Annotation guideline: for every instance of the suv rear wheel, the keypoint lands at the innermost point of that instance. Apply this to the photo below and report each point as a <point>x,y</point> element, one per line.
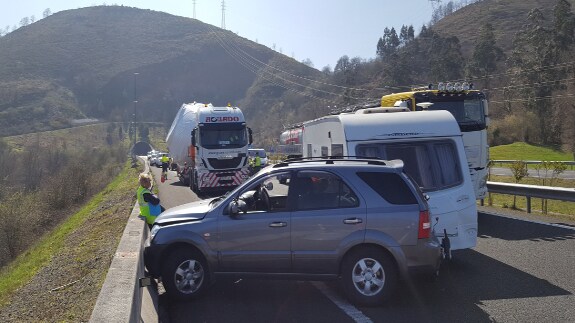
<point>369,276</point>
<point>185,274</point>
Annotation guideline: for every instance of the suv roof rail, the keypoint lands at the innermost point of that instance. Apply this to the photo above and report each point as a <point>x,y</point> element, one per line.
<point>332,159</point>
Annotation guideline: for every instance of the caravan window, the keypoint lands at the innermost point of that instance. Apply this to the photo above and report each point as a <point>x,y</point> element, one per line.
<point>434,165</point>
<point>336,150</point>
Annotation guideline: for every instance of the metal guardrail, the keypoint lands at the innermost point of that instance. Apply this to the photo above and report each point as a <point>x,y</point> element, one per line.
<point>529,191</point>
<point>533,162</point>
<point>511,161</point>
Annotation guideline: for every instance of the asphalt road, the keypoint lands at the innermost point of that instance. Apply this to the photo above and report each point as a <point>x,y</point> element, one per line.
<point>519,272</point>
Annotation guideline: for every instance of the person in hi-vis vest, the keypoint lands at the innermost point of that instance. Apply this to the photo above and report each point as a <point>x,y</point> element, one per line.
<point>165,162</point>
<point>149,203</point>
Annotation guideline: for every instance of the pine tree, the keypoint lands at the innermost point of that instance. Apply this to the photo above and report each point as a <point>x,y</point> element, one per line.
<point>564,24</point>
<point>534,50</point>
<point>485,55</point>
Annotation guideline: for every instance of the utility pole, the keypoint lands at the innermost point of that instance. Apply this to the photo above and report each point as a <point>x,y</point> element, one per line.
<point>223,14</point>
<point>194,3</point>
<point>135,108</point>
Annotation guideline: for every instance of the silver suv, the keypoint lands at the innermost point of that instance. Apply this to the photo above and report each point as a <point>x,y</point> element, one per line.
<point>358,220</point>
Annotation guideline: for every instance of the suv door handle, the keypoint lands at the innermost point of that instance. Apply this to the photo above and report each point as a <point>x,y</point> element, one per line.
<point>353,221</point>
<point>278,224</point>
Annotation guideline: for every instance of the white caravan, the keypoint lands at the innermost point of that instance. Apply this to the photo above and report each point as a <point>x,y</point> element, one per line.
<point>431,147</point>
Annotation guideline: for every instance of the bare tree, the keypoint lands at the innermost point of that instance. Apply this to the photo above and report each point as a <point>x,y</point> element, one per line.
<point>519,170</point>
<point>24,21</point>
<point>46,13</point>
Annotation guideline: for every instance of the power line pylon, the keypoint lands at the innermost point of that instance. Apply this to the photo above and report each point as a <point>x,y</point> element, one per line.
<point>223,14</point>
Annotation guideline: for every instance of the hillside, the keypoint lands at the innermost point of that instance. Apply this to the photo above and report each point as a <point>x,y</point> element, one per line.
<point>82,63</point>
<point>95,62</point>
<point>507,17</point>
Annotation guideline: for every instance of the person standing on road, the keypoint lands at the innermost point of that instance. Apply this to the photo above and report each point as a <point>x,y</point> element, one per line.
<point>257,163</point>
<point>165,162</point>
<point>149,203</point>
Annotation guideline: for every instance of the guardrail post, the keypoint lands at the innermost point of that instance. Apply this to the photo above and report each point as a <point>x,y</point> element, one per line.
<point>528,203</point>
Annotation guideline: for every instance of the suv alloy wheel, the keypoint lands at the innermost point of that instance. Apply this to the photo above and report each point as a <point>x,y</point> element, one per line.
<point>369,276</point>
<point>185,274</point>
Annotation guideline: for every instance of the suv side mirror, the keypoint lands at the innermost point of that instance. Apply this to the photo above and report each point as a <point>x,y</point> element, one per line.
<point>236,206</point>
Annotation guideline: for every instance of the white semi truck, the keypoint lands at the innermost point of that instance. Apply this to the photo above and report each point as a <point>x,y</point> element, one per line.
<point>429,143</point>
<point>210,146</point>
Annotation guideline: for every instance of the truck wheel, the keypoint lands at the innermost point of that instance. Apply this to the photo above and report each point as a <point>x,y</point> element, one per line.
<point>194,182</point>
<point>369,276</point>
<point>185,274</point>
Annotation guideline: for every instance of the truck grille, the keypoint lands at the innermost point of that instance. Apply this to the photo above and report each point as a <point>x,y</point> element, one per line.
<point>225,163</point>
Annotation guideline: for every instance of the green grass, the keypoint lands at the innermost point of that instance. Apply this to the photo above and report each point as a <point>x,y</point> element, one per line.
<point>525,151</point>
<point>24,267</point>
<point>560,209</point>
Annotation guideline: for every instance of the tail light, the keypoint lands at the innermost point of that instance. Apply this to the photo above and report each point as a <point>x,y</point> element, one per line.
<point>424,227</point>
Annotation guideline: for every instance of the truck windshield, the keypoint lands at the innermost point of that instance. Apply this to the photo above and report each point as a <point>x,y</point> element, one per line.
<point>221,137</point>
<point>469,111</point>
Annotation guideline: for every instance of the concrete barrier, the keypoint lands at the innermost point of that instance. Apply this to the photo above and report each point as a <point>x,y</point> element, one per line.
<point>120,299</point>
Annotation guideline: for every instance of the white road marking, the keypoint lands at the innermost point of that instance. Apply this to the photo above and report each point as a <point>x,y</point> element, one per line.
<point>346,307</point>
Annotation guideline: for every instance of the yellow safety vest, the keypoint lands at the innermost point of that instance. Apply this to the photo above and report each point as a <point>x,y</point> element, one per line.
<point>258,161</point>
<point>144,206</point>
<point>165,159</point>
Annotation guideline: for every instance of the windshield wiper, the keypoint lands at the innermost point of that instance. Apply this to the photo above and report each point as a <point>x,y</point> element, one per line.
<point>217,199</point>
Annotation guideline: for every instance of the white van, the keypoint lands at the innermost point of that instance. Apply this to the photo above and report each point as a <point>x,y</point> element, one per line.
<point>253,152</point>
<point>431,148</point>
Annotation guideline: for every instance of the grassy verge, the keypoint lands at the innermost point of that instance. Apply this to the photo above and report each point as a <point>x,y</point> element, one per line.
<point>525,151</point>
<point>23,269</point>
<point>556,208</point>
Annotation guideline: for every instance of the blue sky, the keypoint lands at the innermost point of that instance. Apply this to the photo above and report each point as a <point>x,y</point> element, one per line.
<point>319,30</point>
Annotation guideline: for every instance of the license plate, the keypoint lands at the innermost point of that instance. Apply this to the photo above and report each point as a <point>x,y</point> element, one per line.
<point>225,178</point>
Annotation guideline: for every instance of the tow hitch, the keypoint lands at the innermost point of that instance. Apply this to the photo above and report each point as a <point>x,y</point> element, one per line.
<point>446,245</point>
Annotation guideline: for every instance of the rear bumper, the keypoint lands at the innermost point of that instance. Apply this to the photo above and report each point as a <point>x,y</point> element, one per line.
<point>425,257</point>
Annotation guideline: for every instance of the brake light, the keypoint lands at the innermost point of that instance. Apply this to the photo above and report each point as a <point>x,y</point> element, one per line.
<point>424,225</point>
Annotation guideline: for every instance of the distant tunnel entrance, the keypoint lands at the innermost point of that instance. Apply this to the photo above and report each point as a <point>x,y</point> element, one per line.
<point>141,148</point>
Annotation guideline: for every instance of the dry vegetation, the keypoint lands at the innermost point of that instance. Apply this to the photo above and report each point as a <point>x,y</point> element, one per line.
<point>60,277</point>
<point>46,176</point>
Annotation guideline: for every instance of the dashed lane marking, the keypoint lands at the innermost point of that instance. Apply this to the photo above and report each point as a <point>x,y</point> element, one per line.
<point>346,307</point>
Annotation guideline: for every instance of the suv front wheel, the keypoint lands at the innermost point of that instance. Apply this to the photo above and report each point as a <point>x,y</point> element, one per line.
<point>368,276</point>
<point>185,274</point>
